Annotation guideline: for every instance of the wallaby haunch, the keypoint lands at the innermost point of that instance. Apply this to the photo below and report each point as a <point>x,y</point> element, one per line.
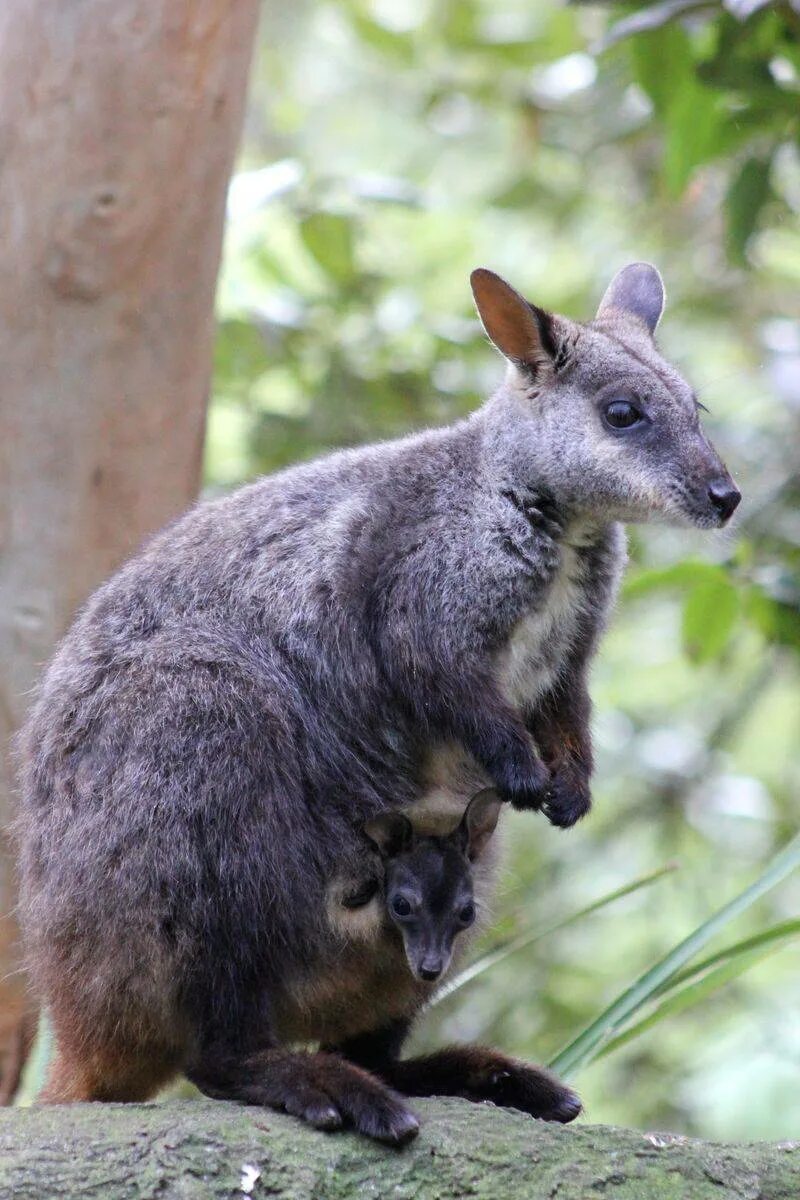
<point>393,627</point>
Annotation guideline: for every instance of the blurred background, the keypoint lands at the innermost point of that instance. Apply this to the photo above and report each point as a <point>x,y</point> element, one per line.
<point>392,145</point>
<point>389,147</point>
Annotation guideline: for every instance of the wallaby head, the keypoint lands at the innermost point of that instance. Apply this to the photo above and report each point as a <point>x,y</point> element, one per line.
<point>428,890</point>
<point>611,427</point>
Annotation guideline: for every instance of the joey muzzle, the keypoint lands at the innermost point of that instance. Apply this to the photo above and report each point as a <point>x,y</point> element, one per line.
<point>427,965</point>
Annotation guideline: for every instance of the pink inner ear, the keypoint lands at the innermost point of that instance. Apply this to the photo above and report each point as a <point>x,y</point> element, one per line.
<point>507,318</point>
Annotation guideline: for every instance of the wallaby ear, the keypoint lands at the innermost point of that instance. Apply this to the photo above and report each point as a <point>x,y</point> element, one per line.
<point>637,289</point>
<point>391,832</point>
<point>479,822</point>
<point>519,330</point>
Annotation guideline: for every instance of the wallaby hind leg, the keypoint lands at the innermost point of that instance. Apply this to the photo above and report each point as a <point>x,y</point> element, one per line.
<point>472,1072</point>
<point>322,1089</point>
<point>113,1074</point>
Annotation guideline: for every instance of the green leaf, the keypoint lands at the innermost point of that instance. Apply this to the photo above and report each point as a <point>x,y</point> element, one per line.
<point>746,197</point>
<point>329,239</point>
<point>694,131</point>
<point>778,620</point>
<point>649,18</point>
<point>709,616</point>
<point>397,46</point>
<point>240,355</point>
<point>696,128</point>
<point>662,63</point>
<point>493,957</point>
<point>587,1045</point>
<point>684,574</point>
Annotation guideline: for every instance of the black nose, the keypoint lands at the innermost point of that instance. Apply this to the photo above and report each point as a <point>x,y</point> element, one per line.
<point>430,971</point>
<point>724,496</point>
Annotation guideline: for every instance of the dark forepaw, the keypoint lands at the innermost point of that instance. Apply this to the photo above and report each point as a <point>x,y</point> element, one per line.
<point>322,1089</point>
<point>366,1104</point>
<point>567,799</point>
<point>533,1090</point>
<point>525,785</point>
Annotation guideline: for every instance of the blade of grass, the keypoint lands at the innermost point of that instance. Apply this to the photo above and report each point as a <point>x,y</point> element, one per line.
<point>586,1045</point>
<point>35,1069</point>
<point>687,997</point>
<point>776,933</point>
<point>503,951</point>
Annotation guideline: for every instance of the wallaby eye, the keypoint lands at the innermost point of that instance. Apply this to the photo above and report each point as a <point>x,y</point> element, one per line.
<point>621,414</point>
<point>467,914</point>
<point>400,906</point>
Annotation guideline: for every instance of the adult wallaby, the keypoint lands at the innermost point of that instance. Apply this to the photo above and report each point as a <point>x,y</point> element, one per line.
<point>393,627</point>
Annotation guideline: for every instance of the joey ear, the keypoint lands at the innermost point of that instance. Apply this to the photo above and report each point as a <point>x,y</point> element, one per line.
<point>637,289</point>
<point>391,832</point>
<point>479,822</point>
<point>519,330</point>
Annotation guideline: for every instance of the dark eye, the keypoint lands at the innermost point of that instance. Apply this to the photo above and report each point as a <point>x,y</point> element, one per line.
<point>401,906</point>
<point>467,914</point>
<point>621,414</point>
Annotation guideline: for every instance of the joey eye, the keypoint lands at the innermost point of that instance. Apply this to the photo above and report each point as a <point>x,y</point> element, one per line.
<point>621,414</point>
<point>467,914</point>
<point>401,906</point>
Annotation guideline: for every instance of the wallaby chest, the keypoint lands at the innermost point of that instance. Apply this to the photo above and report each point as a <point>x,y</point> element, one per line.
<point>529,663</point>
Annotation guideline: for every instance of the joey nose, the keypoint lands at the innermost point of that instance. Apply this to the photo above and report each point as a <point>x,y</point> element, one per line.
<point>430,969</point>
<point>724,495</point>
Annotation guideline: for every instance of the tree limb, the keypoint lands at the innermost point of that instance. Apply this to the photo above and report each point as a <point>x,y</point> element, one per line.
<point>193,1149</point>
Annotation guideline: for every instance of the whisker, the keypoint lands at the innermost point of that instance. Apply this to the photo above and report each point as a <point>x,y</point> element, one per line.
<point>12,975</point>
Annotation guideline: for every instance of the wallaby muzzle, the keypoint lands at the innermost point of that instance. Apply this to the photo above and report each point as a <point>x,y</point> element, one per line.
<point>714,497</point>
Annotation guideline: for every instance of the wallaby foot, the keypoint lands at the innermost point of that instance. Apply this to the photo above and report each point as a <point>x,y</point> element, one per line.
<point>322,1089</point>
<point>476,1073</point>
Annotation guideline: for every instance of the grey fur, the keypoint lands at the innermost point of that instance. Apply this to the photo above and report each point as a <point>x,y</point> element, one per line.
<point>395,626</point>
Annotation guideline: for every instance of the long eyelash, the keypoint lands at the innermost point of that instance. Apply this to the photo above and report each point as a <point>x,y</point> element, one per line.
<point>699,404</point>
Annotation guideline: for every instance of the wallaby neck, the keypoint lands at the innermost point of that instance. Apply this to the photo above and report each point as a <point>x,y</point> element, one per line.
<point>526,464</point>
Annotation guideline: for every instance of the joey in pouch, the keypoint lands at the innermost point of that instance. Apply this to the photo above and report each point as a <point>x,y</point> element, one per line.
<point>428,891</point>
<point>428,895</point>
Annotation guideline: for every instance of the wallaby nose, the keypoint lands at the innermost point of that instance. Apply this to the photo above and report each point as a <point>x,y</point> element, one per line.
<point>724,495</point>
<point>430,969</point>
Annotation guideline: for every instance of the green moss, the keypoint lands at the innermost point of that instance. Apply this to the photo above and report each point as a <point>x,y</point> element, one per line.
<point>188,1150</point>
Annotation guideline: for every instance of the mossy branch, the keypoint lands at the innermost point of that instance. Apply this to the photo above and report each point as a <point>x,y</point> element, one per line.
<point>199,1149</point>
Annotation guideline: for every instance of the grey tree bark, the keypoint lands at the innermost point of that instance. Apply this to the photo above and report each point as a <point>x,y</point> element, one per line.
<point>198,1149</point>
<point>119,120</point>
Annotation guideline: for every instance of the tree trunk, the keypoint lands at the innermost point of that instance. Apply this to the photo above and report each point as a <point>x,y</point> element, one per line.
<point>195,1149</point>
<point>119,120</point>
